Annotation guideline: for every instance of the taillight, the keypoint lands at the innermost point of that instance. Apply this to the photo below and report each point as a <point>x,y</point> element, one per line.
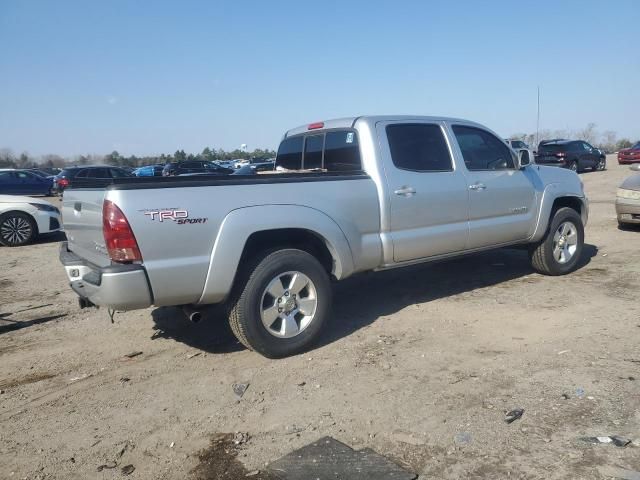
<point>63,182</point>
<point>118,237</point>
<point>315,126</point>
<point>560,154</point>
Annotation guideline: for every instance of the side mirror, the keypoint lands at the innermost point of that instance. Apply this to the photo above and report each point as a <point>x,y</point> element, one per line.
<point>635,167</point>
<point>524,158</point>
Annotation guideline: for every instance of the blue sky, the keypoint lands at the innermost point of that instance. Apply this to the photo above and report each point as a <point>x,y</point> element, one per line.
<point>81,77</point>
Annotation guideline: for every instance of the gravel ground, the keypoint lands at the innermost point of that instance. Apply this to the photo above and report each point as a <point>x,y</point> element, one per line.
<point>420,364</point>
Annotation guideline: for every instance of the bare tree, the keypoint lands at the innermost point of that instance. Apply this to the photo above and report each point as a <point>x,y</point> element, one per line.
<point>588,134</point>
<point>7,159</point>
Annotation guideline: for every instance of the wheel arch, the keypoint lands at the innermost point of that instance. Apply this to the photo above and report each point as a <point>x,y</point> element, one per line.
<point>249,231</point>
<point>551,203</point>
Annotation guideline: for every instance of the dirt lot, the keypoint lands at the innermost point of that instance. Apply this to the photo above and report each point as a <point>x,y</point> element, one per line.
<point>420,364</point>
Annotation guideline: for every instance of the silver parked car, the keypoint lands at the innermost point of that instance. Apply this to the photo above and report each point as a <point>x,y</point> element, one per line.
<point>628,199</point>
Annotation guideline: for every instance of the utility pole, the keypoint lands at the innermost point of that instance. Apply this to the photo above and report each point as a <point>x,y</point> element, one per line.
<point>538,120</point>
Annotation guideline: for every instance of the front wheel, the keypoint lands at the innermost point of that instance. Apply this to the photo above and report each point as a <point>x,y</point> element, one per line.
<point>559,251</point>
<point>17,229</point>
<point>602,165</point>
<point>281,303</point>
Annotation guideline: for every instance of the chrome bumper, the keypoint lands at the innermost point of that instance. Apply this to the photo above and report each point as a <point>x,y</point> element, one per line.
<point>121,287</point>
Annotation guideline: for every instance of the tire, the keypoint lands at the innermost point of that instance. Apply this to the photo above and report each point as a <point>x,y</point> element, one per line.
<point>549,257</point>
<point>291,278</point>
<point>601,166</point>
<point>17,229</point>
<point>573,166</point>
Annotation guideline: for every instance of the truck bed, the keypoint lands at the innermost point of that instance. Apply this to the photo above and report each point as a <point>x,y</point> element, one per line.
<point>189,259</point>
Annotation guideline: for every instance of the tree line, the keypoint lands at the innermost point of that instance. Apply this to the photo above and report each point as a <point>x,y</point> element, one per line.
<point>607,141</point>
<point>10,160</point>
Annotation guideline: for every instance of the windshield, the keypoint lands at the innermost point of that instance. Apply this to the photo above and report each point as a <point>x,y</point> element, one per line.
<point>636,146</point>
<point>518,144</point>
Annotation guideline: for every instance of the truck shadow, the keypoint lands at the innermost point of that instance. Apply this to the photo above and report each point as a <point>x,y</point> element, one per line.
<point>212,334</point>
<point>361,300</point>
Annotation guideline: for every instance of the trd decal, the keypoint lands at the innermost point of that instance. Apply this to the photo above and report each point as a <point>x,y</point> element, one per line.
<point>181,217</point>
<point>163,215</point>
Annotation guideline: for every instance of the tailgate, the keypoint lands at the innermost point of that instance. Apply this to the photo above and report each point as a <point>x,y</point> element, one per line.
<point>82,217</point>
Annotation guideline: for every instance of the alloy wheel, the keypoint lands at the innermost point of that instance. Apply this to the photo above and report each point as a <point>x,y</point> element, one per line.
<point>289,304</point>
<point>565,242</point>
<point>15,230</point>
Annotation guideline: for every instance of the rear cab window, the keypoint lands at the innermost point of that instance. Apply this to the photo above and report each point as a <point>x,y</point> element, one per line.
<point>553,148</point>
<point>329,151</point>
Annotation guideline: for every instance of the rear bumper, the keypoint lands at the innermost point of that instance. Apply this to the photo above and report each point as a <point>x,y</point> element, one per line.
<point>628,211</point>
<point>551,164</point>
<point>121,287</point>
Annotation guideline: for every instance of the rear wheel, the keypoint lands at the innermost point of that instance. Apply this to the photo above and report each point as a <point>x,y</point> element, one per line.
<point>16,229</point>
<point>573,166</point>
<point>281,303</point>
<point>559,251</point>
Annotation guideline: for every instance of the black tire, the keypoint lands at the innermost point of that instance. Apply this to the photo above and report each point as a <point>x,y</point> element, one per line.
<point>248,297</point>
<point>601,166</point>
<point>573,166</point>
<point>17,229</point>
<point>542,254</point>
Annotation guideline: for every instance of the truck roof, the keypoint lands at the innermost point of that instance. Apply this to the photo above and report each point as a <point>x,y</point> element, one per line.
<point>350,122</point>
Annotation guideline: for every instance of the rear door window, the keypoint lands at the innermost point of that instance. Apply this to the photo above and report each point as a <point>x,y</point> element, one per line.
<point>6,177</point>
<point>97,173</point>
<point>191,165</point>
<point>313,151</point>
<point>290,153</point>
<point>117,173</point>
<point>25,176</point>
<point>419,147</point>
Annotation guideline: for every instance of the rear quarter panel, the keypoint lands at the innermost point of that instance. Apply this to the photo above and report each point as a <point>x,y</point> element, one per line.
<point>180,257</point>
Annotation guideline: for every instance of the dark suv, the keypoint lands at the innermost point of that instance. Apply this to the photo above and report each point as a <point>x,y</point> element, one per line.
<point>194,166</point>
<point>575,155</point>
<point>67,176</point>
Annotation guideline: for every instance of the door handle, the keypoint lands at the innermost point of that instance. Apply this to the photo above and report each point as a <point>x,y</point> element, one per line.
<point>405,191</point>
<point>478,186</point>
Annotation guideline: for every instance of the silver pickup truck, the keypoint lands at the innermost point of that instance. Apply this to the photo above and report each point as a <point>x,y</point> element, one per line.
<point>348,196</point>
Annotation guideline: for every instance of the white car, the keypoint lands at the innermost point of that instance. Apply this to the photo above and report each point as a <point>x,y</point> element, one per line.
<point>22,219</point>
